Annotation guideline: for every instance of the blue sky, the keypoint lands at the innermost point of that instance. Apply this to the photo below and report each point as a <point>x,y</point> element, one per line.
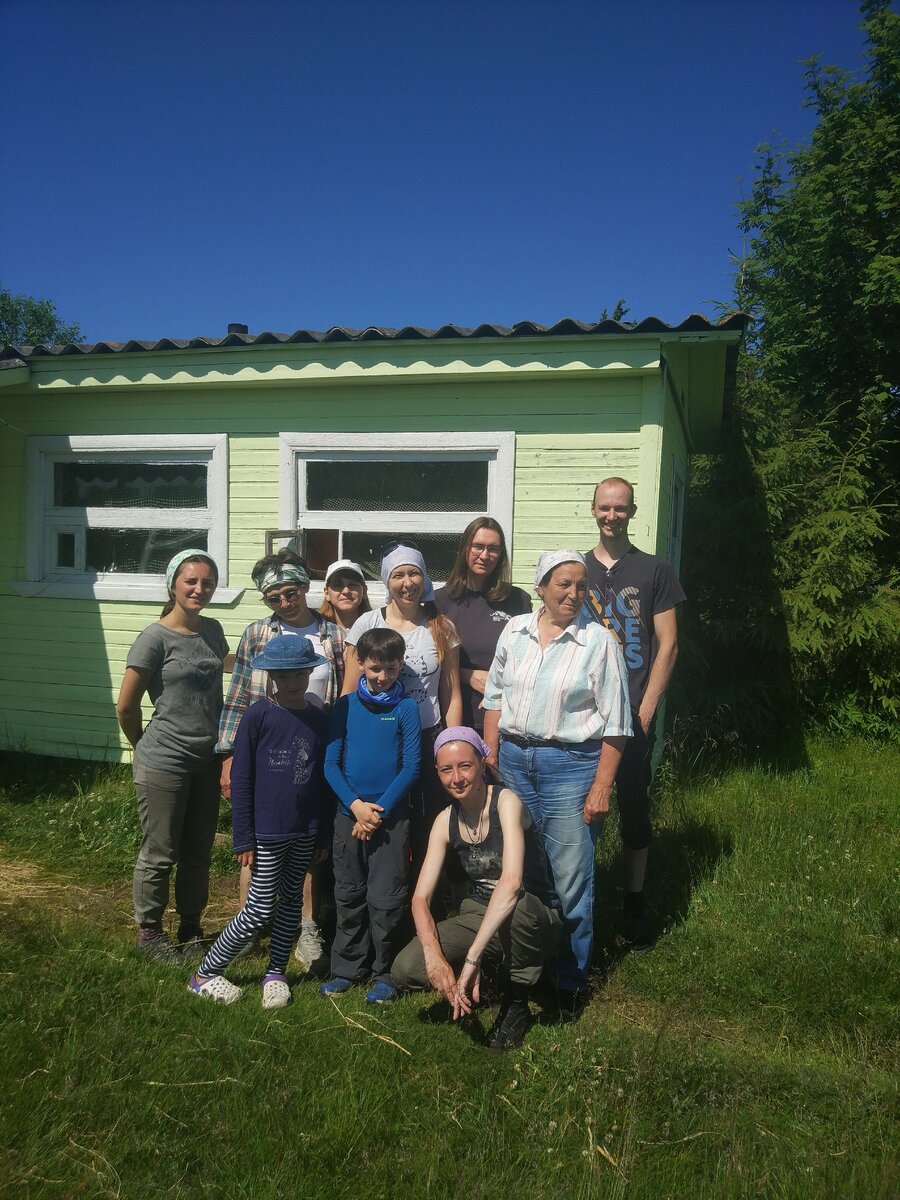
<point>173,166</point>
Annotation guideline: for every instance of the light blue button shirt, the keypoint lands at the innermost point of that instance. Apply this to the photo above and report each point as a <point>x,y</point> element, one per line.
<point>574,689</point>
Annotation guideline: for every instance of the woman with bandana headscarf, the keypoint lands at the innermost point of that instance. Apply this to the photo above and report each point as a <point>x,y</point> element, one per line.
<point>430,672</point>
<point>178,662</point>
<point>510,921</point>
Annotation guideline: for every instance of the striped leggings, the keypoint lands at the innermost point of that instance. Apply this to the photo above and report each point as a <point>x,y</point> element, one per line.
<point>279,869</point>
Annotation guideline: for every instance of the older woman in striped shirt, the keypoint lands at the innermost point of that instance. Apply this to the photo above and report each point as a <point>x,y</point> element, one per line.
<point>556,720</point>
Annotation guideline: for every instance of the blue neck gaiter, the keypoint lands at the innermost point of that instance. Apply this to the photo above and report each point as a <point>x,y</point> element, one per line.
<point>389,699</point>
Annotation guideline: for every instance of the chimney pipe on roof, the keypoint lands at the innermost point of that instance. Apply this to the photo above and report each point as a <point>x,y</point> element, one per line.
<point>236,327</point>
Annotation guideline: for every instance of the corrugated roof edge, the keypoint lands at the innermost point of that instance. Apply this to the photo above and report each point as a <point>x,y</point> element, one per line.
<point>567,327</point>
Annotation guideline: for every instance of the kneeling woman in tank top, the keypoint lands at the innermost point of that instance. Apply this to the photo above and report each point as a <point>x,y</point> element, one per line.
<point>511,919</point>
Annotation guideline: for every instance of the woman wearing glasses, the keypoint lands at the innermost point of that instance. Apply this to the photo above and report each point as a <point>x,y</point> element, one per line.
<point>283,582</point>
<point>430,673</point>
<point>479,600</point>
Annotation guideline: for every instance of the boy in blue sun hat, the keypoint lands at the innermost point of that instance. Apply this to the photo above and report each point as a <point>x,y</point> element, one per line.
<point>280,818</point>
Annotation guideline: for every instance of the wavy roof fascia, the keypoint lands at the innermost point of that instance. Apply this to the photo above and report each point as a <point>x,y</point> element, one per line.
<point>734,324</point>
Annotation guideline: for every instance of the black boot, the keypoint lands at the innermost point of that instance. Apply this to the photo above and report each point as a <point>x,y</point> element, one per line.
<point>513,1019</point>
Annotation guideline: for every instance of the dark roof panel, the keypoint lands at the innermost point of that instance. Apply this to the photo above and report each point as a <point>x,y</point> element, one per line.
<point>567,327</point>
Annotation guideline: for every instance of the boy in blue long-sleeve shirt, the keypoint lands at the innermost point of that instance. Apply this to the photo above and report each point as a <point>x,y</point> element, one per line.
<point>371,762</point>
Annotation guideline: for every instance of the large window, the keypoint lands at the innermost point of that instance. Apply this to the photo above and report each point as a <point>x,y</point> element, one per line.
<point>352,493</point>
<point>107,513</point>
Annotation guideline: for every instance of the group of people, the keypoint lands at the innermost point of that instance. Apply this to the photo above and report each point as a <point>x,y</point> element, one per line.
<point>452,743</point>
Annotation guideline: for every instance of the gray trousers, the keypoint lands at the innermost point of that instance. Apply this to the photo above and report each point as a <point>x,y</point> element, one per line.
<point>521,946</point>
<point>178,815</point>
<point>370,894</point>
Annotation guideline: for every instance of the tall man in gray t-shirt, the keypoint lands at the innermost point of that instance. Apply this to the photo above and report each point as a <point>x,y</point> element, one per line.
<point>635,596</point>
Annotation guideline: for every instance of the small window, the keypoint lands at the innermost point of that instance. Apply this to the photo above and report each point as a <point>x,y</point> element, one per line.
<point>65,549</point>
<point>114,509</point>
<point>352,494</point>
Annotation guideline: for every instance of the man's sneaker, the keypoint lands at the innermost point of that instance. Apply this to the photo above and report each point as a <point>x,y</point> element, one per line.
<point>638,934</point>
<point>217,988</point>
<point>336,986</point>
<point>512,1023</point>
<point>156,947</point>
<point>310,948</point>
<point>276,991</point>
<point>381,992</point>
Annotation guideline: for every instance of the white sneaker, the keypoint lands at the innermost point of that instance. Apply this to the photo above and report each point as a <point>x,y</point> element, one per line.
<point>276,993</point>
<point>310,947</point>
<point>216,988</point>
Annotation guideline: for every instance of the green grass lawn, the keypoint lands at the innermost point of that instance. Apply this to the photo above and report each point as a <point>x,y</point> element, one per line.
<point>750,1054</point>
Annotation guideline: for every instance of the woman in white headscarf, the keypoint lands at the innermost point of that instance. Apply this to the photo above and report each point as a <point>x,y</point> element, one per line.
<point>556,720</point>
<point>430,673</point>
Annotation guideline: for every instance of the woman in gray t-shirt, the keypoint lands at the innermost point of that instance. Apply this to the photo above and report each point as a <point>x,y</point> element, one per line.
<point>178,662</point>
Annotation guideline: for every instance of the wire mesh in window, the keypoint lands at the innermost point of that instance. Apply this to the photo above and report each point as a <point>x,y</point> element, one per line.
<point>438,550</point>
<point>389,485</point>
<point>129,485</point>
<point>138,551</point>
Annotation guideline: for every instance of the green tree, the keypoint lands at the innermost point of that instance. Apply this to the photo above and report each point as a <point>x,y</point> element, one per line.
<point>621,310</point>
<point>25,321</point>
<point>823,269</point>
<point>810,462</point>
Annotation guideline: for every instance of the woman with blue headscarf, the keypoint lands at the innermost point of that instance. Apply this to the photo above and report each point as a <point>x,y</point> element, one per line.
<point>178,662</point>
<point>430,673</point>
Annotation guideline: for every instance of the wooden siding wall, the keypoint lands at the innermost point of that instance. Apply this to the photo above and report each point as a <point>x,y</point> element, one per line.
<point>62,660</point>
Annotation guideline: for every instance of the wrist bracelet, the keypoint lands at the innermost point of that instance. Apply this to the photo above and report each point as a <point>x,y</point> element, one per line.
<point>473,962</point>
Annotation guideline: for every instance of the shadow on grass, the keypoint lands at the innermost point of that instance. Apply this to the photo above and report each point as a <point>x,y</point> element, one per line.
<point>681,858</point>
<point>28,777</point>
<point>440,1013</point>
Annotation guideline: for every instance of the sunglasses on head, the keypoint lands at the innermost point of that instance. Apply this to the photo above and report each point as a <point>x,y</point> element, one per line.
<point>406,543</point>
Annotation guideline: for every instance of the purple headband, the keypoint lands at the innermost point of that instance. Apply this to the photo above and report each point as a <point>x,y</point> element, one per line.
<point>461,733</point>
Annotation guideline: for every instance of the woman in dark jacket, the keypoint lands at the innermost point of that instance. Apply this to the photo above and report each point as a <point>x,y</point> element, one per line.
<point>479,600</point>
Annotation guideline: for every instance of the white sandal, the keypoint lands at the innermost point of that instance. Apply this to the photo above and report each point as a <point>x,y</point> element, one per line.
<point>276,993</point>
<point>217,988</point>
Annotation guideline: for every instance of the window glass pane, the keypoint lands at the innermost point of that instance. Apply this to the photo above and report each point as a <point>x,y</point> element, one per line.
<point>138,551</point>
<point>65,549</point>
<point>131,485</point>
<point>393,486</point>
<point>438,550</point>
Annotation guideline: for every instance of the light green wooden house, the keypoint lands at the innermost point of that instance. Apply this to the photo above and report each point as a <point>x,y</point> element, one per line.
<point>116,455</point>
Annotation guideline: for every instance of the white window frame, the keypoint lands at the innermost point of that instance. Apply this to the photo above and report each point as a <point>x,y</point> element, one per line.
<point>44,521</point>
<point>497,448</point>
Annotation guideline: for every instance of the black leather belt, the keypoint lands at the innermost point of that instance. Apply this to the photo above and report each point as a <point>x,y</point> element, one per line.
<point>530,743</point>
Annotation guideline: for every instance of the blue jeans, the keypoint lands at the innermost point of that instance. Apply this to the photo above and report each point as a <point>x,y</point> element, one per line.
<point>553,785</point>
